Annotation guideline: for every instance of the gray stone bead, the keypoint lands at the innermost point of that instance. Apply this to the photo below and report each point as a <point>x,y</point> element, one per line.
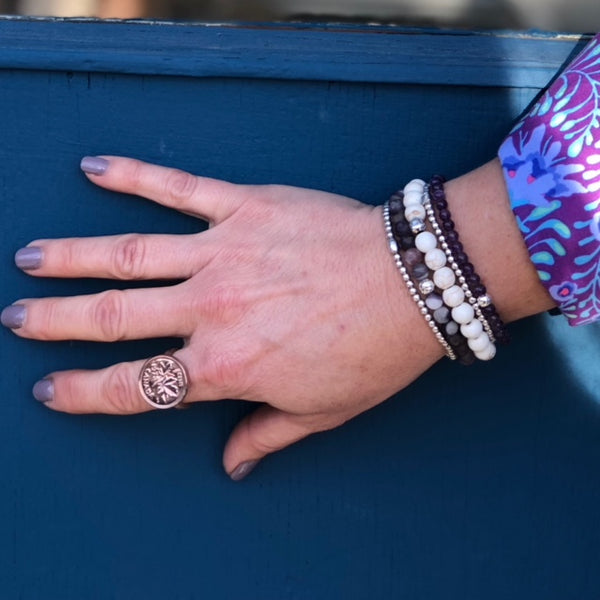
<point>442,315</point>
<point>452,328</point>
<point>434,301</point>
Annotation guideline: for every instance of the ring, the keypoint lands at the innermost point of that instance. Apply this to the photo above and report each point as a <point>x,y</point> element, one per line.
<point>163,381</point>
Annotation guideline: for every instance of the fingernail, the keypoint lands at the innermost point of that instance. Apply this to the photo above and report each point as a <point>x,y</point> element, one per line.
<point>43,390</point>
<point>13,316</point>
<point>94,165</point>
<point>243,469</point>
<point>29,258</point>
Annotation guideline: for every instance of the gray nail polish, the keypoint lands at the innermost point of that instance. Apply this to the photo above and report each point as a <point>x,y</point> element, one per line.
<point>29,258</point>
<point>43,390</point>
<point>13,316</point>
<point>94,165</point>
<point>243,469</point>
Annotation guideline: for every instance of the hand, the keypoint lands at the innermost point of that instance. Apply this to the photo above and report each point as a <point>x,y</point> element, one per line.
<point>290,299</point>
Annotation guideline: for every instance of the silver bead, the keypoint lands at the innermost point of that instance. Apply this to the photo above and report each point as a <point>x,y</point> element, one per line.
<point>417,226</point>
<point>421,304</point>
<point>444,246</point>
<point>426,286</point>
<point>484,300</point>
<point>423,311</point>
<point>393,246</point>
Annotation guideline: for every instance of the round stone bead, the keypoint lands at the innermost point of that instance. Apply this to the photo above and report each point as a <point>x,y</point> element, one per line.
<point>426,241</point>
<point>402,228</point>
<point>434,301</point>
<point>413,197</point>
<point>420,271</point>
<point>396,204</point>
<point>453,296</point>
<point>472,329</point>
<point>486,354</point>
<point>444,278</point>
<point>454,339</point>
<point>415,211</point>
<point>452,328</point>
<point>435,259</point>
<point>463,313</point>
<point>411,257</point>
<point>479,343</point>
<point>442,315</point>
<point>407,242</point>
<point>467,359</point>
<point>416,185</point>
<point>426,287</point>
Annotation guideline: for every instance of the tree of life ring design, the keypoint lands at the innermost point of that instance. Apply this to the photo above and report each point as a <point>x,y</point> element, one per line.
<point>163,382</point>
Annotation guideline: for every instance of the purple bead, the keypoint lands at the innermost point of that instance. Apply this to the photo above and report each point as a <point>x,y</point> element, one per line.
<point>444,215</point>
<point>451,237</point>
<point>448,225</point>
<point>456,248</point>
<point>411,257</point>
<point>473,279</point>
<point>420,271</point>
<point>399,195</point>
<point>468,269</point>
<point>478,290</point>
<point>441,203</point>
<point>488,311</point>
<point>461,258</point>
<point>407,242</point>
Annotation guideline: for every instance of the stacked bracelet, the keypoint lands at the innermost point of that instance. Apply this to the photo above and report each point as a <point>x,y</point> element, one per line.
<point>470,281</point>
<point>430,270</point>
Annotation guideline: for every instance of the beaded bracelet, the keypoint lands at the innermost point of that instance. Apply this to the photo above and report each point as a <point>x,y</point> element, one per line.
<point>393,245</point>
<point>414,263</point>
<point>405,217</point>
<point>470,281</point>
<point>464,333</point>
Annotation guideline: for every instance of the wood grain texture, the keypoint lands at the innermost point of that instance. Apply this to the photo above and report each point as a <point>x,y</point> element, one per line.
<point>471,484</point>
<point>338,53</point>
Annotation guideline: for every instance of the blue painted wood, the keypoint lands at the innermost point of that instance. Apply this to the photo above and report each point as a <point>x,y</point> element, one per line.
<point>285,51</point>
<point>478,483</point>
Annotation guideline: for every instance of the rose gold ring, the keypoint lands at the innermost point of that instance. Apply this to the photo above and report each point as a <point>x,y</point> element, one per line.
<point>163,382</point>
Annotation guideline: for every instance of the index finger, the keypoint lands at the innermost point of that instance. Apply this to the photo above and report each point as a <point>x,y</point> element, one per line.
<point>209,199</point>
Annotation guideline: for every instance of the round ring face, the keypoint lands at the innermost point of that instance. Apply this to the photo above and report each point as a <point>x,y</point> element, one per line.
<point>163,381</point>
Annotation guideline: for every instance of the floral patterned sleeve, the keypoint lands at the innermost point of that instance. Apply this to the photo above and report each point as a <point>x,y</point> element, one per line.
<point>551,163</point>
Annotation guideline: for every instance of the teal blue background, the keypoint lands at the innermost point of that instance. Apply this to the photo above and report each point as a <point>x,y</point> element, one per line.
<point>472,483</point>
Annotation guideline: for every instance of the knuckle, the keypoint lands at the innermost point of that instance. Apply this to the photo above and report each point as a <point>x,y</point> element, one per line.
<point>119,391</point>
<point>180,187</point>
<point>108,316</point>
<point>128,257</point>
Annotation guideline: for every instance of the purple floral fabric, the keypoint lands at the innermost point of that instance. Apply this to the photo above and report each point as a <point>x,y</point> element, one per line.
<point>551,163</point>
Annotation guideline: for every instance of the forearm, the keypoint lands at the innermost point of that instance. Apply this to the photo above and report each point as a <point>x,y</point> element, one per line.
<point>488,230</point>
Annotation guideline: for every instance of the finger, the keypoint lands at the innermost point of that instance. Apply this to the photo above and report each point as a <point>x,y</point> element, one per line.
<point>129,256</point>
<point>209,199</point>
<point>114,390</point>
<point>110,316</point>
<point>264,431</point>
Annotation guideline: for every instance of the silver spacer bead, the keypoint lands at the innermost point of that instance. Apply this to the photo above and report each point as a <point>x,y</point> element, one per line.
<point>417,226</point>
<point>393,246</point>
<point>484,300</point>
<point>426,286</point>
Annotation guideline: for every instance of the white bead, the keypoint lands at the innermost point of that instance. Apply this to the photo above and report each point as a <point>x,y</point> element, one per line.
<point>444,278</point>
<point>463,313</point>
<point>414,211</point>
<point>425,241</point>
<point>413,198</point>
<point>472,329</point>
<point>487,354</point>
<point>453,296</point>
<point>435,259</point>
<point>479,343</point>
<point>416,185</point>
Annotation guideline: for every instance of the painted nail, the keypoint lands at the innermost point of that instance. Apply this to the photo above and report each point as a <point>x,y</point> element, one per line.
<point>43,390</point>
<point>29,258</point>
<point>243,469</point>
<point>13,316</point>
<point>94,165</point>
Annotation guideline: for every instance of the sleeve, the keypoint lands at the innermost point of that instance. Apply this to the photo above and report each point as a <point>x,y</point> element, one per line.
<point>551,164</point>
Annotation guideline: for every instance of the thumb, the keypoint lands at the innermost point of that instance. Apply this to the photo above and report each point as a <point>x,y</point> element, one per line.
<point>262,432</point>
